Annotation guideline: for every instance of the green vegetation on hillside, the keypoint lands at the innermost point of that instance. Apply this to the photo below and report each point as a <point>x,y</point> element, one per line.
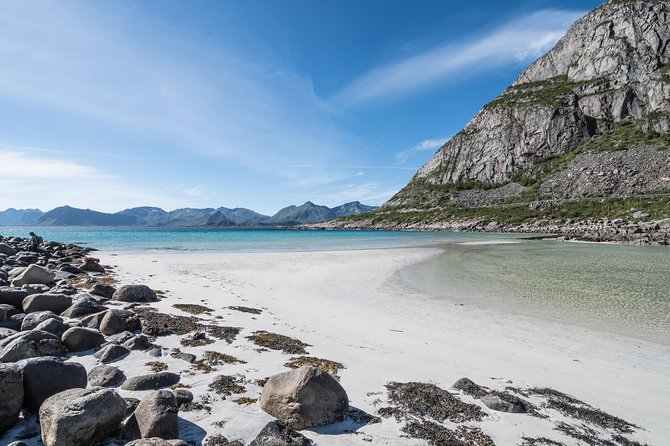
<point>656,205</point>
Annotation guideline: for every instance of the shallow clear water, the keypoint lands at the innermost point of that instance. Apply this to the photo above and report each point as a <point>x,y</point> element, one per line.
<point>621,289</point>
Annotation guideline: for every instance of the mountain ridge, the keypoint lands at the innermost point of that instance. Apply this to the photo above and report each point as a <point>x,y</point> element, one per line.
<point>149,216</point>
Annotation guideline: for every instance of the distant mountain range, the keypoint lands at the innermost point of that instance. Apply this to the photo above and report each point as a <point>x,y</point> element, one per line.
<point>147,216</point>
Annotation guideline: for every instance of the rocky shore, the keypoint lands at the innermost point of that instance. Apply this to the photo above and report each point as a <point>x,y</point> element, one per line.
<point>85,360</point>
<point>603,230</point>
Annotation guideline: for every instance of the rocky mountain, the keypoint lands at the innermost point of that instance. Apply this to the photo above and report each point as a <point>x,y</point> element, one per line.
<point>242,216</point>
<point>583,133</point>
<point>311,213</point>
<point>69,216</point>
<point>146,215</point>
<point>305,213</point>
<point>19,217</point>
<point>352,208</point>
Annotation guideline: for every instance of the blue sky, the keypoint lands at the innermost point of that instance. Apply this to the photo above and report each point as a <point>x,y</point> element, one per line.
<point>259,104</point>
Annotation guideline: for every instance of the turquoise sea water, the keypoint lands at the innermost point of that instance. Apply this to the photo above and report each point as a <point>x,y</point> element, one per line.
<point>617,288</point>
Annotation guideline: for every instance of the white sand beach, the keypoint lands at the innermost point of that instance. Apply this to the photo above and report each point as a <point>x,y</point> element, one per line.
<point>352,307</point>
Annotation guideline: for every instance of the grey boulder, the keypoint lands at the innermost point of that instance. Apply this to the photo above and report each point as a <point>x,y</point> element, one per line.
<point>83,306</point>
<point>155,416</point>
<point>91,267</point>
<point>78,339</point>
<point>79,417</point>
<point>32,320</point>
<point>44,377</point>
<point>7,250</point>
<point>105,376</point>
<point>275,433</point>
<point>53,325</point>
<point>304,397</point>
<point>93,320</point>
<point>46,302</point>
<point>183,396</point>
<point>495,402</point>
<point>34,274</point>
<point>138,342</point>
<point>12,296</point>
<point>111,352</point>
<point>11,389</point>
<point>104,291</point>
<point>30,344</point>
<point>150,382</point>
<point>135,293</point>
<point>117,321</point>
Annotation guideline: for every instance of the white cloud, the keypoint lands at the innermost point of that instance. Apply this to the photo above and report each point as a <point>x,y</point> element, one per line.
<point>428,145</point>
<point>521,40</point>
<point>17,165</point>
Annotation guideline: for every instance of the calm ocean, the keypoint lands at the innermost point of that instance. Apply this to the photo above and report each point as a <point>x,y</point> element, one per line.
<point>621,289</point>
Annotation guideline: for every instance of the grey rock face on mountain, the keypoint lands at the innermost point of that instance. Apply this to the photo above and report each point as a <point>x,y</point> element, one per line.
<point>605,86</point>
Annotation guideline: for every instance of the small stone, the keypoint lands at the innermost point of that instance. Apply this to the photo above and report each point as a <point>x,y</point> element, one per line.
<point>150,382</point>
<point>135,293</point>
<point>111,352</point>
<point>78,339</point>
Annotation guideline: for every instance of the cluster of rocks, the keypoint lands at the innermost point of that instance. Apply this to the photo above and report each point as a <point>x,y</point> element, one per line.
<point>655,232</point>
<point>57,305</point>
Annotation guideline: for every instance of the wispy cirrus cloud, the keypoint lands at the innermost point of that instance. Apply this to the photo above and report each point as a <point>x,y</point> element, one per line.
<point>427,145</point>
<point>520,40</point>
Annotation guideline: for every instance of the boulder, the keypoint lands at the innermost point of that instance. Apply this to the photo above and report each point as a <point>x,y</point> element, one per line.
<point>11,389</point>
<point>139,342</point>
<point>79,417</point>
<point>14,322</point>
<point>495,402</point>
<point>183,396</point>
<point>275,433</point>
<point>54,326</point>
<point>78,339</point>
<point>7,250</point>
<point>12,296</point>
<point>118,321</point>
<point>30,344</point>
<point>150,382</point>
<point>47,376</point>
<point>70,269</point>
<point>111,352</point>
<point>91,267</point>
<point>34,274</point>
<point>83,306</point>
<point>32,320</point>
<point>105,376</point>
<point>93,320</point>
<point>304,397</point>
<point>105,291</point>
<point>135,293</point>
<point>46,302</point>
<point>155,416</point>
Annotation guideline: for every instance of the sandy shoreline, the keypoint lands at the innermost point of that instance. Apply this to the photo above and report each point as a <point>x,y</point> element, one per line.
<point>352,307</point>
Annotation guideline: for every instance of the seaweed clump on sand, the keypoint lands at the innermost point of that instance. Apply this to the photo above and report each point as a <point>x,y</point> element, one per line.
<point>540,441</point>
<point>227,334</point>
<point>438,435</point>
<point>245,309</point>
<point>161,324</point>
<point>579,410</point>
<point>276,341</point>
<point>421,400</point>
<point>192,308</point>
<point>326,365</point>
<point>226,385</point>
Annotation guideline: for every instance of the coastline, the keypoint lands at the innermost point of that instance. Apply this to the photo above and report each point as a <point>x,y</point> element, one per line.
<point>352,307</point>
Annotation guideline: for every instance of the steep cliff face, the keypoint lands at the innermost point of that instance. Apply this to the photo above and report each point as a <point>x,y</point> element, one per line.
<point>605,86</point>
